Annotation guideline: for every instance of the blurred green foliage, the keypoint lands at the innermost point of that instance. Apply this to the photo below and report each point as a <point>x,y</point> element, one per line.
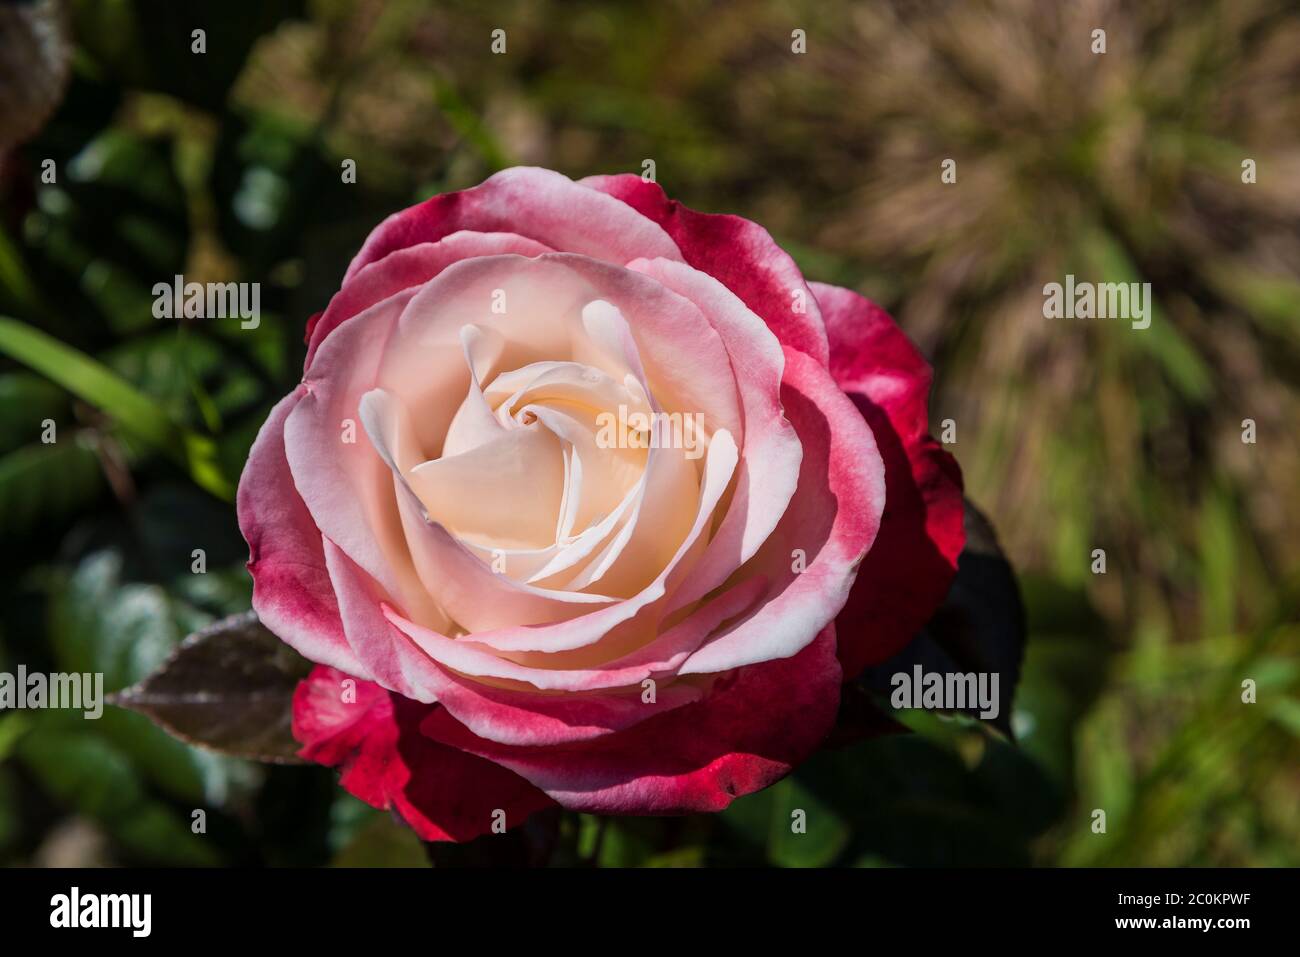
<point>1071,436</point>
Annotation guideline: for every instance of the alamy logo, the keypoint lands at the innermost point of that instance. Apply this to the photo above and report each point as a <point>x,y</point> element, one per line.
<point>1107,300</point>
<point>651,430</point>
<point>76,690</point>
<point>103,910</point>
<point>212,300</point>
<point>951,691</point>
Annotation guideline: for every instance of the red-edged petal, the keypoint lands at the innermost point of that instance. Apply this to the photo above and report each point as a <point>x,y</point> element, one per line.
<point>911,565</point>
<point>292,593</point>
<point>812,556</point>
<point>373,736</point>
<point>536,203</point>
<point>518,716</point>
<point>738,253</point>
<point>311,326</point>
<point>404,268</point>
<point>754,726</point>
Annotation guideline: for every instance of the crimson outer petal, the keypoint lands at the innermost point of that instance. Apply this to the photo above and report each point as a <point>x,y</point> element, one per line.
<point>292,592</point>
<point>443,793</point>
<point>912,563</point>
<point>757,723</point>
<point>738,253</point>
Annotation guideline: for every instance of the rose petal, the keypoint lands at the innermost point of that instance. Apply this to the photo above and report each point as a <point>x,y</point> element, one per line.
<point>476,495</point>
<point>519,715</point>
<point>830,524</point>
<point>443,793</point>
<point>750,731</point>
<point>401,346</point>
<point>772,451</point>
<point>404,268</point>
<point>474,656</point>
<point>739,253</point>
<point>346,487</point>
<point>536,203</point>
<point>396,664</point>
<point>909,569</point>
<point>292,594</point>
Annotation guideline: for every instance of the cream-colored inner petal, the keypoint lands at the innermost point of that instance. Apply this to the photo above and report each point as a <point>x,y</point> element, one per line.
<point>560,473</point>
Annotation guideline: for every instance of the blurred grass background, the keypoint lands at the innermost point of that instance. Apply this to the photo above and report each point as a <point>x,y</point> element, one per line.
<point>1073,435</point>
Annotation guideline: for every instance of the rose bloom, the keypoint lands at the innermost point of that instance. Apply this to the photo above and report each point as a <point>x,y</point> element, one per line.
<point>589,499</point>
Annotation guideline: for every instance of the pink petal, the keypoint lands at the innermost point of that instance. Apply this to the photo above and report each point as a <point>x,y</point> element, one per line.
<point>750,731</point>
<point>394,663</point>
<point>735,251</point>
<point>536,203</point>
<point>769,467</point>
<point>292,593</point>
<point>831,522</point>
<point>907,573</point>
<point>472,655</point>
<point>412,266</point>
<point>443,793</point>
<point>395,345</point>
<point>524,717</point>
<point>346,487</point>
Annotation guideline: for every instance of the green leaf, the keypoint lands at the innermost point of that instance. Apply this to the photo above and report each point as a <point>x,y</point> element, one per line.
<point>90,380</point>
<point>1219,523</point>
<point>1273,301</point>
<point>15,275</point>
<point>805,831</point>
<point>86,378</point>
<point>26,400</point>
<point>382,842</point>
<point>1286,712</point>
<point>1065,669</point>
<point>13,726</point>
<point>792,825</point>
<point>97,624</point>
<point>124,631</point>
<point>1162,341</point>
<point>90,775</point>
<point>11,826</point>
<point>42,483</point>
<point>690,856</point>
<point>629,841</point>
<point>917,802</point>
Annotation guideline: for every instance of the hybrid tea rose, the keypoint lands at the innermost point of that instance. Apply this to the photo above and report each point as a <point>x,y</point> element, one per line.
<point>587,498</point>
